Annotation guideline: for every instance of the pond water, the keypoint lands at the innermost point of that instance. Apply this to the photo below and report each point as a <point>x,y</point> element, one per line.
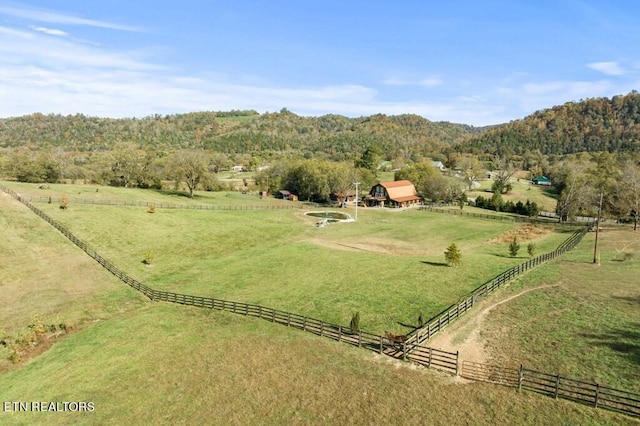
<point>331,216</point>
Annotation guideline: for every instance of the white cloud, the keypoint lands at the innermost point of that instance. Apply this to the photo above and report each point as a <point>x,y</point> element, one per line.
<point>608,68</point>
<point>42,15</point>
<point>50,31</point>
<point>34,48</point>
<point>430,82</point>
<point>424,82</point>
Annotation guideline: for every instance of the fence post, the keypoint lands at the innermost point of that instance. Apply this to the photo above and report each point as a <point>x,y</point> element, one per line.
<point>404,350</point>
<point>339,333</point>
<point>429,359</point>
<point>555,395</point>
<point>457,363</point>
<point>359,338</point>
<point>520,377</point>
<point>595,402</point>
<point>380,344</point>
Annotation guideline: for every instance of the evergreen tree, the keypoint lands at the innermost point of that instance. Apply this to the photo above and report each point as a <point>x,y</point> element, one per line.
<point>453,256</point>
<point>531,249</point>
<point>355,323</point>
<point>514,248</point>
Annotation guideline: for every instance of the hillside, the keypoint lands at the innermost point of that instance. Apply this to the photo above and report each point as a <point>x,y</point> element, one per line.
<point>234,132</point>
<point>592,125</point>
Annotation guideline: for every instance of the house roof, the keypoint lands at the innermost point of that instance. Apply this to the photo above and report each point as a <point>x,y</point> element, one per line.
<point>400,190</point>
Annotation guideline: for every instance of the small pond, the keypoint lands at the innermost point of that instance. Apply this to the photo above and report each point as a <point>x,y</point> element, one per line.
<point>331,217</point>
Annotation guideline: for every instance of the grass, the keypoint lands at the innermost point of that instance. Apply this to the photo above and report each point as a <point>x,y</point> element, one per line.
<point>388,265</point>
<point>166,196</point>
<point>545,197</point>
<point>185,365</point>
<point>155,363</point>
<point>42,273</point>
<point>588,325</point>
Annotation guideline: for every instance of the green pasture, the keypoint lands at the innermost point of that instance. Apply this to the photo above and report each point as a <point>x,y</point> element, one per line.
<point>388,266</point>
<point>169,364</point>
<point>144,362</point>
<point>588,324</point>
<point>101,194</point>
<point>44,274</point>
<point>545,197</point>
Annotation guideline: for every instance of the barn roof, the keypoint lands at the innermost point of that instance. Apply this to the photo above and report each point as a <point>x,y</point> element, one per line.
<point>400,190</point>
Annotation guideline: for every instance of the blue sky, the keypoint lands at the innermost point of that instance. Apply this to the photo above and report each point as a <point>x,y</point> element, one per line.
<point>473,62</point>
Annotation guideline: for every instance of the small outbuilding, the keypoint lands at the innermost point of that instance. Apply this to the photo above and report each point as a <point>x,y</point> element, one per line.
<point>286,195</point>
<point>400,193</point>
<point>542,180</point>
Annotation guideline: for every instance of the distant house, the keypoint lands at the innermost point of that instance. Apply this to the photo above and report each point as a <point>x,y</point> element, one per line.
<point>542,180</point>
<point>342,197</point>
<point>238,169</point>
<point>438,165</point>
<point>400,193</point>
<point>285,195</point>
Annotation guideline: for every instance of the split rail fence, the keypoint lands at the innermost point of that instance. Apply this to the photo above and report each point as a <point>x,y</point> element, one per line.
<point>433,358</point>
<point>163,205</point>
<point>556,386</point>
<point>421,335</point>
<point>410,349</point>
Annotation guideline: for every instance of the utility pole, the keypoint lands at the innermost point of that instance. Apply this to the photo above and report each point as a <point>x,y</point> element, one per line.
<point>356,183</point>
<point>596,258</point>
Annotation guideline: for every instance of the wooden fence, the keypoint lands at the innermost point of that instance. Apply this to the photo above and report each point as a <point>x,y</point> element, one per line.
<point>411,349</point>
<point>437,359</point>
<point>542,219</point>
<point>123,203</point>
<point>421,335</point>
<point>589,393</point>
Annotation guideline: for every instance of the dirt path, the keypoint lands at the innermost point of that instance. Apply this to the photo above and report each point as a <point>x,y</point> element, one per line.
<point>463,335</point>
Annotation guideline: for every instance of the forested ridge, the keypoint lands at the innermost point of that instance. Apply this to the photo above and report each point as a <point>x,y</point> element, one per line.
<point>592,125</point>
<point>239,132</point>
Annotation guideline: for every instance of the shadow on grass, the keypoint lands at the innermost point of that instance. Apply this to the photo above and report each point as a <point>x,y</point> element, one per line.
<point>175,193</point>
<point>411,326</point>
<point>625,341</point>
<point>506,256</point>
<point>632,299</point>
<point>426,262</point>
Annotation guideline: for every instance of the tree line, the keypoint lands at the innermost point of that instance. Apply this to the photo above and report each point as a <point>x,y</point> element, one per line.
<point>319,157</point>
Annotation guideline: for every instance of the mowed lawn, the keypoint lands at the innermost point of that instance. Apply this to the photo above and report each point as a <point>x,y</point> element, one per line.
<point>388,266</point>
<point>522,190</point>
<point>169,364</point>
<point>42,273</point>
<point>587,325</point>
<point>143,362</point>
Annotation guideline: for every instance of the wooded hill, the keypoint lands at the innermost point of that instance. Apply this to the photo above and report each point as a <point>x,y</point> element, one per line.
<point>236,132</point>
<point>592,125</point>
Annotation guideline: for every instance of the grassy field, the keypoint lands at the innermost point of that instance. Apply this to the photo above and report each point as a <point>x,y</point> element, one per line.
<point>44,274</point>
<point>388,266</point>
<point>153,363</point>
<point>587,325</point>
<point>167,364</point>
<point>523,190</point>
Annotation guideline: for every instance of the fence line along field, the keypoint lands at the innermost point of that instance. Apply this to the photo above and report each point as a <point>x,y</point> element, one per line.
<point>175,361</point>
<point>388,266</point>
